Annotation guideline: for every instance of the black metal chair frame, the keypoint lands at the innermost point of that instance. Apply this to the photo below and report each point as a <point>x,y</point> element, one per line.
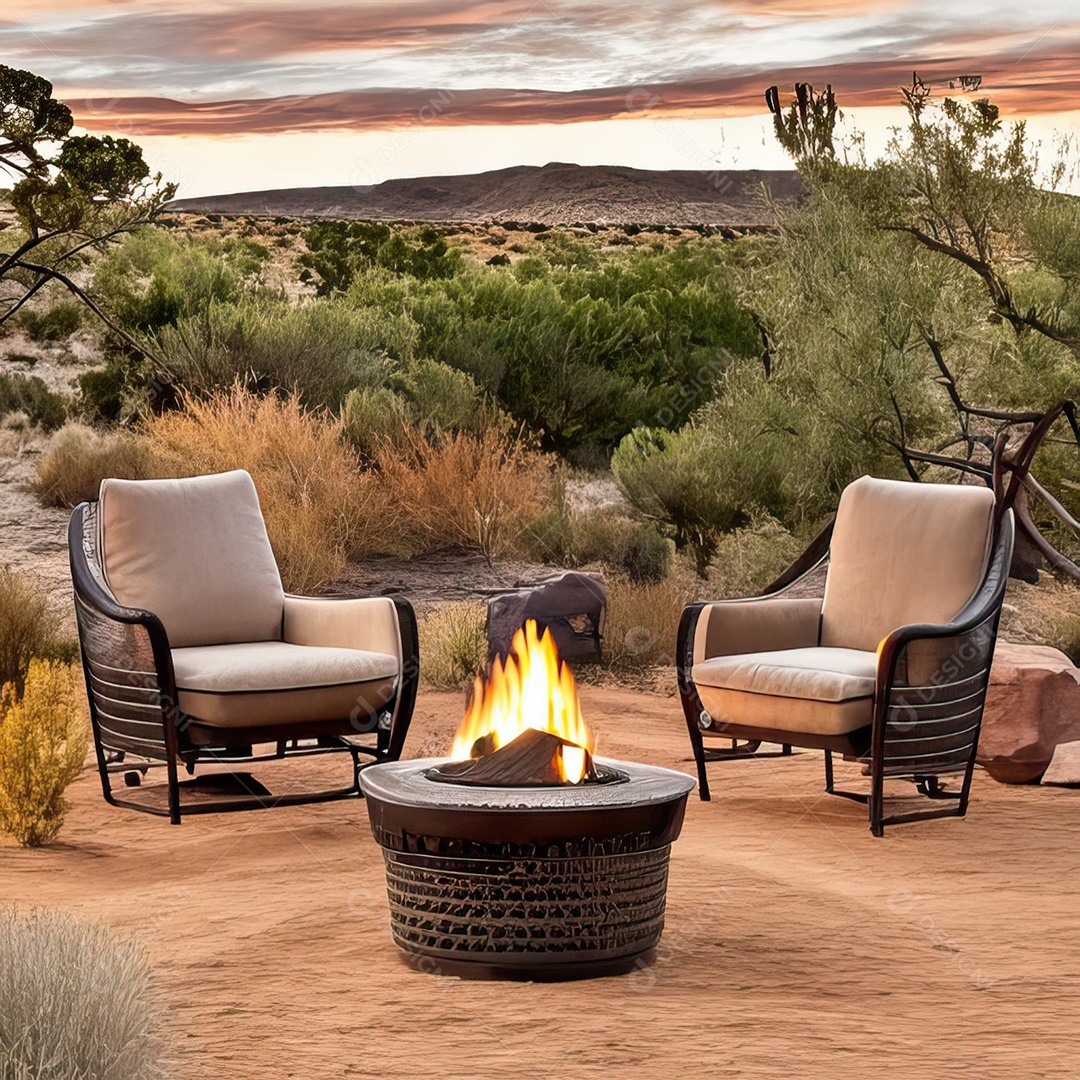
<point>138,725</point>
<point>919,732</point>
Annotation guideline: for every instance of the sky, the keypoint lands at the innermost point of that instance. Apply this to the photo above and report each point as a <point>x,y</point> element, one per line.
<point>234,95</point>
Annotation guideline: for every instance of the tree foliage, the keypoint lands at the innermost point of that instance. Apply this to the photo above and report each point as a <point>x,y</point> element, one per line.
<point>914,309</point>
<point>74,193</point>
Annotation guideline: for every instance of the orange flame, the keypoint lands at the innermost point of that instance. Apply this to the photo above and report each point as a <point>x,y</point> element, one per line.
<point>534,690</point>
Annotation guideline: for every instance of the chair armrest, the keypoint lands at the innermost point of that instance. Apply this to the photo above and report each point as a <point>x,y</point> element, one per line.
<point>366,623</point>
<point>731,627</point>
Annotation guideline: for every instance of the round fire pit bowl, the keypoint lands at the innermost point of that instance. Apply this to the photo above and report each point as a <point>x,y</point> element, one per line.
<point>533,883</point>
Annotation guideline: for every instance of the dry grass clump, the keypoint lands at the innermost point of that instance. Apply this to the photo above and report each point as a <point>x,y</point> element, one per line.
<point>29,627</point>
<point>453,645</point>
<point>1043,614</point>
<point>75,1002</point>
<point>44,737</point>
<point>79,458</point>
<point>643,620</point>
<point>481,491</point>
<point>317,504</point>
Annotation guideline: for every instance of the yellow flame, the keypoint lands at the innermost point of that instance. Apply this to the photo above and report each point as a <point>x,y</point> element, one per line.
<point>533,690</point>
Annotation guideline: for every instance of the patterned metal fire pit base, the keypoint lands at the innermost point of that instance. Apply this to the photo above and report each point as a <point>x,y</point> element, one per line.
<point>526,883</point>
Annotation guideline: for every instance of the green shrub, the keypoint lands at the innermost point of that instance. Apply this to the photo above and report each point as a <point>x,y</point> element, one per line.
<point>633,548</point>
<point>30,395</point>
<point>55,323</point>
<point>582,353</point>
<point>749,559</point>
<point>80,457</point>
<point>445,397</point>
<point>340,250</point>
<point>74,1002</point>
<point>104,393</point>
<point>453,645</point>
<point>155,278</point>
<point>44,737</point>
<point>29,628</point>
<point>374,416</point>
<point>321,350</point>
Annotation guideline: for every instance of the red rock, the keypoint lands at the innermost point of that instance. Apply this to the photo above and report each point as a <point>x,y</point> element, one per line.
<point>1032,705</point>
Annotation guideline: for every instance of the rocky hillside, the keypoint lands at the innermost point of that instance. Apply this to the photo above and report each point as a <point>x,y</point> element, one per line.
<point>550,195</point>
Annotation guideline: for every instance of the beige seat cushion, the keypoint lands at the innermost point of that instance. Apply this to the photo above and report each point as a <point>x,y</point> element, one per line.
<point>816,674</point>
<point>797,715</point>
<point>196,554</point>
<point>903,553</point>
<point>272,682</point>
<point>813,691</point>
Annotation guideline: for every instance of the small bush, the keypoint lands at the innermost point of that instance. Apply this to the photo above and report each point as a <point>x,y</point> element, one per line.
<point>79,458</point>
<point>749,559</point>
<point>105,393</point>
<point>29,628</point>
<point>566,537</point>
<point>74,1002</point>
<point>56,323</point>
<point>155,278</point>
<point>642,622</point>
<point>478,491</point>
<point>634,548</point>
<point>447,398</point>
<point>31,396</point>
<point>453,645</point>
<point>1044,614</point>
<point>44,736</point>
<point>373,417</point>
<point>317,504</point>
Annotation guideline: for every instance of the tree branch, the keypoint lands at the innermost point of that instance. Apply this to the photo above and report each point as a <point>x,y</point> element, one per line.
<point>56,275</point>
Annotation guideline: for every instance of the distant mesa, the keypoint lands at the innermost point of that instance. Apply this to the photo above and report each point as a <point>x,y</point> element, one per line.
<point>554,194</point>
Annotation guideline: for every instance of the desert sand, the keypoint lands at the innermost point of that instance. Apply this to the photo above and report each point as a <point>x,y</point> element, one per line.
<point>796,944</point>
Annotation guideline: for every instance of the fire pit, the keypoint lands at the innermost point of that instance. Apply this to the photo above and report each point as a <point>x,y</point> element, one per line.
<point>526,857</point>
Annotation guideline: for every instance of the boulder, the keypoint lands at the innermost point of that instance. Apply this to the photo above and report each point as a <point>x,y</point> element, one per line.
<point>1032,705</point>
<point>1065,768</point>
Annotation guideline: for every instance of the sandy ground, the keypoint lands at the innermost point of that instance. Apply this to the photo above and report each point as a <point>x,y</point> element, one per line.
<point>796,944</point>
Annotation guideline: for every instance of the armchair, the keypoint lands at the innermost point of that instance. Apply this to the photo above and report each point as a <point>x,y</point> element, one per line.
<point>193,653</point>
<point>879,650</point>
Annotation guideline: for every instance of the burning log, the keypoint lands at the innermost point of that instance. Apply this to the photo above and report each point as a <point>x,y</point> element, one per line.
<point>534,759</point>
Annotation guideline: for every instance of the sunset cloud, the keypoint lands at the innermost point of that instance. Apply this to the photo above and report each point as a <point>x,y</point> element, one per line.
<point>166,67</point>
<point>1033,84</point>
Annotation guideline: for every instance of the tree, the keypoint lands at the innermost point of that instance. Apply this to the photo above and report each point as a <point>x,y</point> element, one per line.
<point>74,194</point>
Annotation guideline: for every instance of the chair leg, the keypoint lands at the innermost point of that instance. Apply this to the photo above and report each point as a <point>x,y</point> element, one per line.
<point>174,794</point>
<point>828,772</point>
<point>876,803</point>
<point>698,745</point>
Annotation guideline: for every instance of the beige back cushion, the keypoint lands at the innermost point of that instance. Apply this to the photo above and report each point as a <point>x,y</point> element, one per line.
<point>903,552</point>
<point>195,553</point>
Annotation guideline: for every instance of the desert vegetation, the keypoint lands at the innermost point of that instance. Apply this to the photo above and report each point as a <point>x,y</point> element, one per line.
<point>398,390</point>
<point>75,1001</point>
<point>44,721</point>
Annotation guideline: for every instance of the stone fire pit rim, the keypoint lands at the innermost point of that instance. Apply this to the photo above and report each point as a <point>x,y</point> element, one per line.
<point>570,798</point>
